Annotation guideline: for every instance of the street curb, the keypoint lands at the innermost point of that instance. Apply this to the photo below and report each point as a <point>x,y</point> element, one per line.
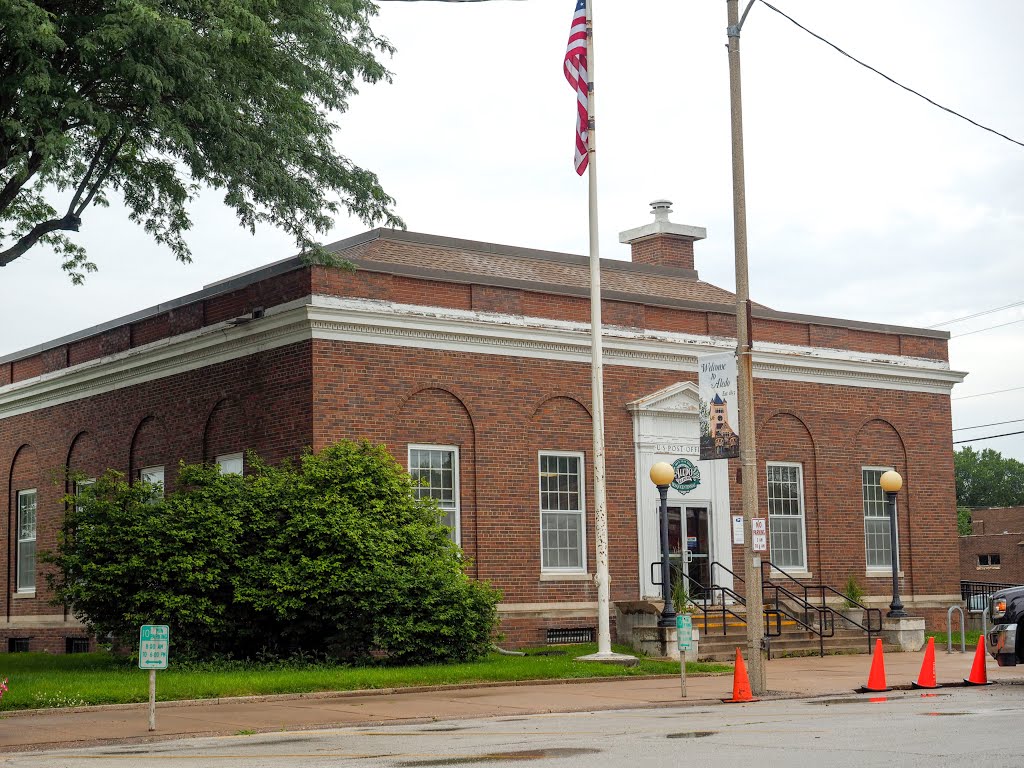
<point>361,692</point>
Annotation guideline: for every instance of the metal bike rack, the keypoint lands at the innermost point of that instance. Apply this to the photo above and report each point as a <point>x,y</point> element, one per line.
<point>949,629</point>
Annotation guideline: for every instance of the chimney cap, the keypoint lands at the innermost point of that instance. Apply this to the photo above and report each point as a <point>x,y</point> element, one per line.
<point>662,226</point>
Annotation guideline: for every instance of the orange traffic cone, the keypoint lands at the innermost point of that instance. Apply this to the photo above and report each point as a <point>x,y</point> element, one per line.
<point>876,677</point>
<point>979,675</point>
<point>927,677</point>
<point>740,683</point>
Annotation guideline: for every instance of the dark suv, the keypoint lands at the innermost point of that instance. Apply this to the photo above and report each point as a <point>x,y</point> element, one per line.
<point>1006,638</point>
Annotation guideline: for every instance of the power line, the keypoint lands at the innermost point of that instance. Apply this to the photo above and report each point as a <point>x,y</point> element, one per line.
<point>988,437</point>
<point>894,82</point>
<point>978,314</point>
<point>993,424</point>
<point>983,394</point>
<point>989,328</point>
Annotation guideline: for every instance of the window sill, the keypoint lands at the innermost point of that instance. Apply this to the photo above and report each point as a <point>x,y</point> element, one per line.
<point>567,577</point>
<point>795,574</point>
<point>23,595</point>
<point>881,573</point>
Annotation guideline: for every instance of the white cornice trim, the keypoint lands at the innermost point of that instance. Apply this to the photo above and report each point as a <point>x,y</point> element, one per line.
<point>380,322</point>
<point>368,321</point>
<point>284,324</point>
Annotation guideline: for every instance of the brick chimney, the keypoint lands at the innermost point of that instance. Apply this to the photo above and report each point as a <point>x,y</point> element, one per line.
<point>662,243</point>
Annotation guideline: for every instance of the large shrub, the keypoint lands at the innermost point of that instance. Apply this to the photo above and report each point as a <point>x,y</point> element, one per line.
<point>333,555</point>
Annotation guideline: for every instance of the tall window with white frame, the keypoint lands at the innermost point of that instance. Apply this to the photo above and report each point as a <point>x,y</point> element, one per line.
<point>435,474</point>
<point>231,463</point>
<point>154,476</point>
<point>877,544</point>
<point>27,540</point>
<point>786,515</point>
<point>562,508</point>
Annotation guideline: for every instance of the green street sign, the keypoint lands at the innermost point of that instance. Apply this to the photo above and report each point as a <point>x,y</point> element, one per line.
<point>154,646</point>
<point>684,631</point>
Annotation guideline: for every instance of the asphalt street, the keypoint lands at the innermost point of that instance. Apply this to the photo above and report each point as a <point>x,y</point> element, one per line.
<point>948,727</point>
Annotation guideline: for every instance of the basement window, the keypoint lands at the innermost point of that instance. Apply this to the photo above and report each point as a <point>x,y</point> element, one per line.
<point>17,644</point>
<point>76,645</point>
<point>570,635</point>
<point>988,561</point>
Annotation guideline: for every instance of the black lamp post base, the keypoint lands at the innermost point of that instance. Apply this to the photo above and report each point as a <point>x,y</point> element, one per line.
<point>667,619</point>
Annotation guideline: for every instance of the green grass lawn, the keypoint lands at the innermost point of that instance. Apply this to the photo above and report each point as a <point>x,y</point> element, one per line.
<point>970,639</point>
<point>38,680</point>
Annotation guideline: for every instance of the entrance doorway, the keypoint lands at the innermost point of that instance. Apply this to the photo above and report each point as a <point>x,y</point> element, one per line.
<point>689,531</point>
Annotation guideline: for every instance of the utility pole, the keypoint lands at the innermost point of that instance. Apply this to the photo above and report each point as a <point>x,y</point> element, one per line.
<point>745,365</point>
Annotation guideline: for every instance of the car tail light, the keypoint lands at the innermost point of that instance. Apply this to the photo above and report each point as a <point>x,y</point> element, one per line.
<point>998,608</point>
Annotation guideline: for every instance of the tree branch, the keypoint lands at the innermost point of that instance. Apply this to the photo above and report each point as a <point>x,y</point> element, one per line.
<point>18,180</point>
<point>88,174</point>
<point>99,179</point>
<point>70,223</point>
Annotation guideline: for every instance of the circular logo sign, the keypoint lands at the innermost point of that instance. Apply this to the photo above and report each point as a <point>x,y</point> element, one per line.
<point>687,475</point>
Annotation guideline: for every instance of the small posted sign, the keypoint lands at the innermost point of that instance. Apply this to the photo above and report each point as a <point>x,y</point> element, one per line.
<point>684,638</point>
<point>154,646</point>
<point>759,533</point>
<point>684,631</point>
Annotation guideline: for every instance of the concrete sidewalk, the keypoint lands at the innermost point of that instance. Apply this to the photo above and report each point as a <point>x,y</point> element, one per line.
<point>792,677</point>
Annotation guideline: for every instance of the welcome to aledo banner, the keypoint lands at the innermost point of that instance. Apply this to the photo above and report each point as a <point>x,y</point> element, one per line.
<point>719,414</point>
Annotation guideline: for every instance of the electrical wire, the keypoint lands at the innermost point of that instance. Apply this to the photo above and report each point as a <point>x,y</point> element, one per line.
<point>891,80</point>
<point>993,424</point>
<point>978,314</point>
<point>988,437</point>
<point>989,328</point>
<point>983,394</point>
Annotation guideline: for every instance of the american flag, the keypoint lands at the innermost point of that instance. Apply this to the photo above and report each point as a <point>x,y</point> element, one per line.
<point>575,67</point>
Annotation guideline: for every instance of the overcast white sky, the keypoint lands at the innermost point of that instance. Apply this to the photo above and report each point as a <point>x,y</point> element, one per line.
<point>864,202</point>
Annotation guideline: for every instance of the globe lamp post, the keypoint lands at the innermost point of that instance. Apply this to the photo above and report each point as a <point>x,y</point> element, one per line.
<point>891,483</point>
<point>662,476</point>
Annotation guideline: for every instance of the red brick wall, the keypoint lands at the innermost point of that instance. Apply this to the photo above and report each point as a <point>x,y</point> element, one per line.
<point>999,531</point>
<point>663,251</point>
<point>160,422</point>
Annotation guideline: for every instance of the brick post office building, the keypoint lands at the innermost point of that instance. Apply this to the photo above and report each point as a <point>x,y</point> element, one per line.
<point>470,361</point>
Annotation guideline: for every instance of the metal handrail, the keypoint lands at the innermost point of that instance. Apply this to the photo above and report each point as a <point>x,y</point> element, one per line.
<point>870,627</point>
<point>825,615</point>
<point>773,567</point>
<point>709,604</point>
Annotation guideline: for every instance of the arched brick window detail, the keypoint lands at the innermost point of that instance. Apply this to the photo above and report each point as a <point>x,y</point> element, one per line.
<point>879,446</point>
<point>84,459</point>
<point>434,437</point>
<point>225,432</point>
<point>787,490</point>
<point>560,465</point>
<point>149,448</point>
<point>26,531</point>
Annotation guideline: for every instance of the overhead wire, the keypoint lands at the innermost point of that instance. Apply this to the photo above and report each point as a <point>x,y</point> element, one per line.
<point>978,314</point>
<point>993,424</point>
<point>983,394</point>
<point>988,328</point>
<point>891,80</point>
<point>988,437</point>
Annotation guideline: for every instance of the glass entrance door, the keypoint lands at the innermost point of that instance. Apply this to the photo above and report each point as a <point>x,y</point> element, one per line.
<point>689,531</point>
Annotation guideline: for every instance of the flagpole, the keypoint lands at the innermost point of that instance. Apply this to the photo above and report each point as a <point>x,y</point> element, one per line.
<point>602,577</point>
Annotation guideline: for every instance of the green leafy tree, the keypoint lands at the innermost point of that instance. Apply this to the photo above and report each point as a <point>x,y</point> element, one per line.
<point>963,521</point>
<point>332,556</point>
<point>154,99</point>
<point>986,479</point>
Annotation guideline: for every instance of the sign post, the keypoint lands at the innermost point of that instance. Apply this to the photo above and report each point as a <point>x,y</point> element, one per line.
<point>684,636</point>
<point>154,650</point>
